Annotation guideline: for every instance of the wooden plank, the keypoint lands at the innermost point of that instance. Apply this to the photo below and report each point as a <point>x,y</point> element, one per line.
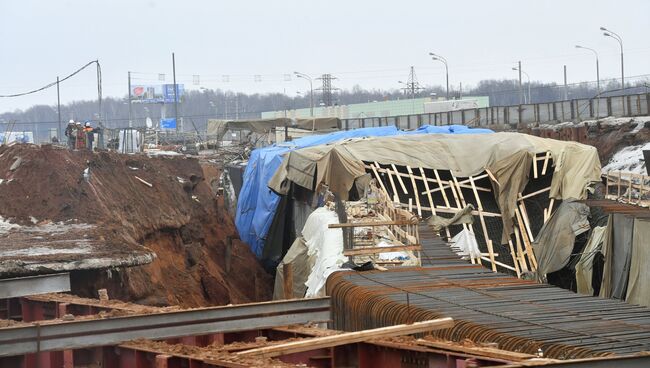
<point>515,262</point>
<point>428,192</point>
<point>442,190</point>
<point>392,185</point>
<point>399,179</point>
<point>520,252</point>
<point>381,182</point>
<point>546,158</point>
<point>535,168</point>
<point>368,223</point>
<point>524,216</point>
<point>415,190</point>
<point>494,179</point>
<point>485,232</point>
<point>482,351</point>
<point>527,244</point>
<point>534,193</point>
<point>376,250</point>
<point>347,338</point>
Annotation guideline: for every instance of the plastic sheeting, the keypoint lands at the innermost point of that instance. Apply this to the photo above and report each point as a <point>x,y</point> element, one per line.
<point>301,265</point>
<point>325,245</point>
<point>637,290</point>
<point>257,204</point>
<point>555,240</point>
<point>617,251</point>
<point>585,266</point>
<point>507,155</point>
<point>466,243</point>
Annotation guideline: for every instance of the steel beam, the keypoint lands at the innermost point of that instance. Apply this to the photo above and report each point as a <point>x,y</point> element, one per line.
<point>110,331</point>
<point>32,285</point>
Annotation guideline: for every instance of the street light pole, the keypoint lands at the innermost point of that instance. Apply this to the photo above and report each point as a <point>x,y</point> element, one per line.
<point>597,67</point>
<point>311,91</point>
<point>444,61</point>
<point>609,33</point>
<point>530,100</point>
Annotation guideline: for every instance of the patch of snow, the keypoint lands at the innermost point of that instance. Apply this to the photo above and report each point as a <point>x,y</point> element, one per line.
<point>628,159</point>
<point>162,153</point>
<point>6,226</point>
<point>45,251</point>
<point>33,220</point>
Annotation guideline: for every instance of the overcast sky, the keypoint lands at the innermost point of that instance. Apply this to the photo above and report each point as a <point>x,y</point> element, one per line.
<point>370,43</point>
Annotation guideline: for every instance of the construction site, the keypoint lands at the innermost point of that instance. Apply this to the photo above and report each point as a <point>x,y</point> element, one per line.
<point>317,244</point>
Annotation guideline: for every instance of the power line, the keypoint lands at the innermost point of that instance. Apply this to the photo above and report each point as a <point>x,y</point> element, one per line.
<point>60,80</point>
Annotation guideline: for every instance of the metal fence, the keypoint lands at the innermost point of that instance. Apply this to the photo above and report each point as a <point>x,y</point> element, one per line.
<point>549,112</point>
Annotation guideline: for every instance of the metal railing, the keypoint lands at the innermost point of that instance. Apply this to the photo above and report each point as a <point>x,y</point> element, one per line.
<point>549,112</point>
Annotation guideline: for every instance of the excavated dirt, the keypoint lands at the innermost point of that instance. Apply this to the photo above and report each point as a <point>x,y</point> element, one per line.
<point>177,217</point>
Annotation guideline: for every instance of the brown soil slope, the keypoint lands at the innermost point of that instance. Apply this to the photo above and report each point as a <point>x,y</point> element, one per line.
<point>178,218</point>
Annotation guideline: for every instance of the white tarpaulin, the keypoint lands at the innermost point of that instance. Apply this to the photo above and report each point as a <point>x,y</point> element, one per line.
<point>325,246</point>
<point>465,241</point>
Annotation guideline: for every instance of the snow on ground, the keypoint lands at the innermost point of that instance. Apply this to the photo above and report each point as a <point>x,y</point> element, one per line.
<point>6,226</point>
<point>608,121</point>
<point>628,159</point>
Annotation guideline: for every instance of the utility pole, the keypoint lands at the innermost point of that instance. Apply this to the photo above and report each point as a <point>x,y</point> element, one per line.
<point>521,90</point>
<point>130,112</point>
<point>175,92</point>
<point>566,87</point>
<point>311,91</point>
<point>612,34</point>
<point>58,108</point>
<point>412,86</point>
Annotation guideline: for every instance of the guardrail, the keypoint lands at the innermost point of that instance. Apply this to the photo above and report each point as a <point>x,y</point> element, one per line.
<point>548,112</point>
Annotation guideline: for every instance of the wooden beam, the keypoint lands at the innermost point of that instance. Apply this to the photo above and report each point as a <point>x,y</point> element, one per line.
<point>482,351</point>
<point>376,250</point>
<point>514,258</point>
<point>483,226</point>
<point>367,223</point>
<point>534,193</point>
<point>415,190</point>
<point>381,182</point>
<point>428,192</point>
<point>399,179</point>
<point>347,338</point>
<point>546,158</point>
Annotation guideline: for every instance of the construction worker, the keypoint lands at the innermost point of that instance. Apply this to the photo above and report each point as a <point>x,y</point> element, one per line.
<point>90,135</point>
<point>71,134</point>
<point>81,137</point>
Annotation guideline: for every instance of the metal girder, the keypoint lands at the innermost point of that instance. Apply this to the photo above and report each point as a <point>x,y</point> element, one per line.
<point>637,361</point>
<point>32,285</point>
<point>110,331</point>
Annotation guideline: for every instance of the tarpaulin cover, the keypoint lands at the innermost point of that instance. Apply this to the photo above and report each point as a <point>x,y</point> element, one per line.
<point>257,204</point>
<point>507,155</point>
<point>638,291</point>
<point>554,243</point>
<point>301,266</point>
<point>463,216</point>
<point>617,251</point>
<point>585,266</point>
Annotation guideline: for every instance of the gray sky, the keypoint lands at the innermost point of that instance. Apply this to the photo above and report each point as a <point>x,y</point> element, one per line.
<point>370,43</point>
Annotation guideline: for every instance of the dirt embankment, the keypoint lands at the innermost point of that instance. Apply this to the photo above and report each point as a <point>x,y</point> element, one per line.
<point>177,217</point>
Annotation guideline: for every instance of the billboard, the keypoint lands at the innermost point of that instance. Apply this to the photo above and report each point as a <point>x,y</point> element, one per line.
<point>156,93</point>
<point>169,123</point>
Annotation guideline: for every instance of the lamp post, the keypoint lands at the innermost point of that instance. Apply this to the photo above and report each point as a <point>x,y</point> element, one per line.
<point>441,59</point>
<point>609,33</point>
<point>528,78</point>
<point>311,91</point>
<point>597,67</point>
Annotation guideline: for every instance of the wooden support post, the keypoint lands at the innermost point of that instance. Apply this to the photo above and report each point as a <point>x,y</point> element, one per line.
<point>392,185</point>
<point>429,197</point>
<point>607,186</point>
<point>535,167</point>
<point>444,197</point>
<point>515,262</point>
<point>399,179</point>
<point>482,219</point>
<point>524,215</point>
<point>527,243</point>
<point>520,251</point>
<point>629,189</point>
<point>287,273</point>
<point>416,193</point>
<point>381,182</point>
<point>548,156</point>
<point>618,195</point>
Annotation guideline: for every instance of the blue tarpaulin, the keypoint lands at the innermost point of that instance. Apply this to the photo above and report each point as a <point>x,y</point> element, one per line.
<point>256,204</point>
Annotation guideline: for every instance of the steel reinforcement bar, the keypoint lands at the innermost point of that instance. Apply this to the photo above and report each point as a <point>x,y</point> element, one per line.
<point>57,335</point>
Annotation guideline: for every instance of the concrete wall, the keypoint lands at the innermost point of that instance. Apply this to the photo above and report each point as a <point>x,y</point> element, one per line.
<point>551,112</point>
